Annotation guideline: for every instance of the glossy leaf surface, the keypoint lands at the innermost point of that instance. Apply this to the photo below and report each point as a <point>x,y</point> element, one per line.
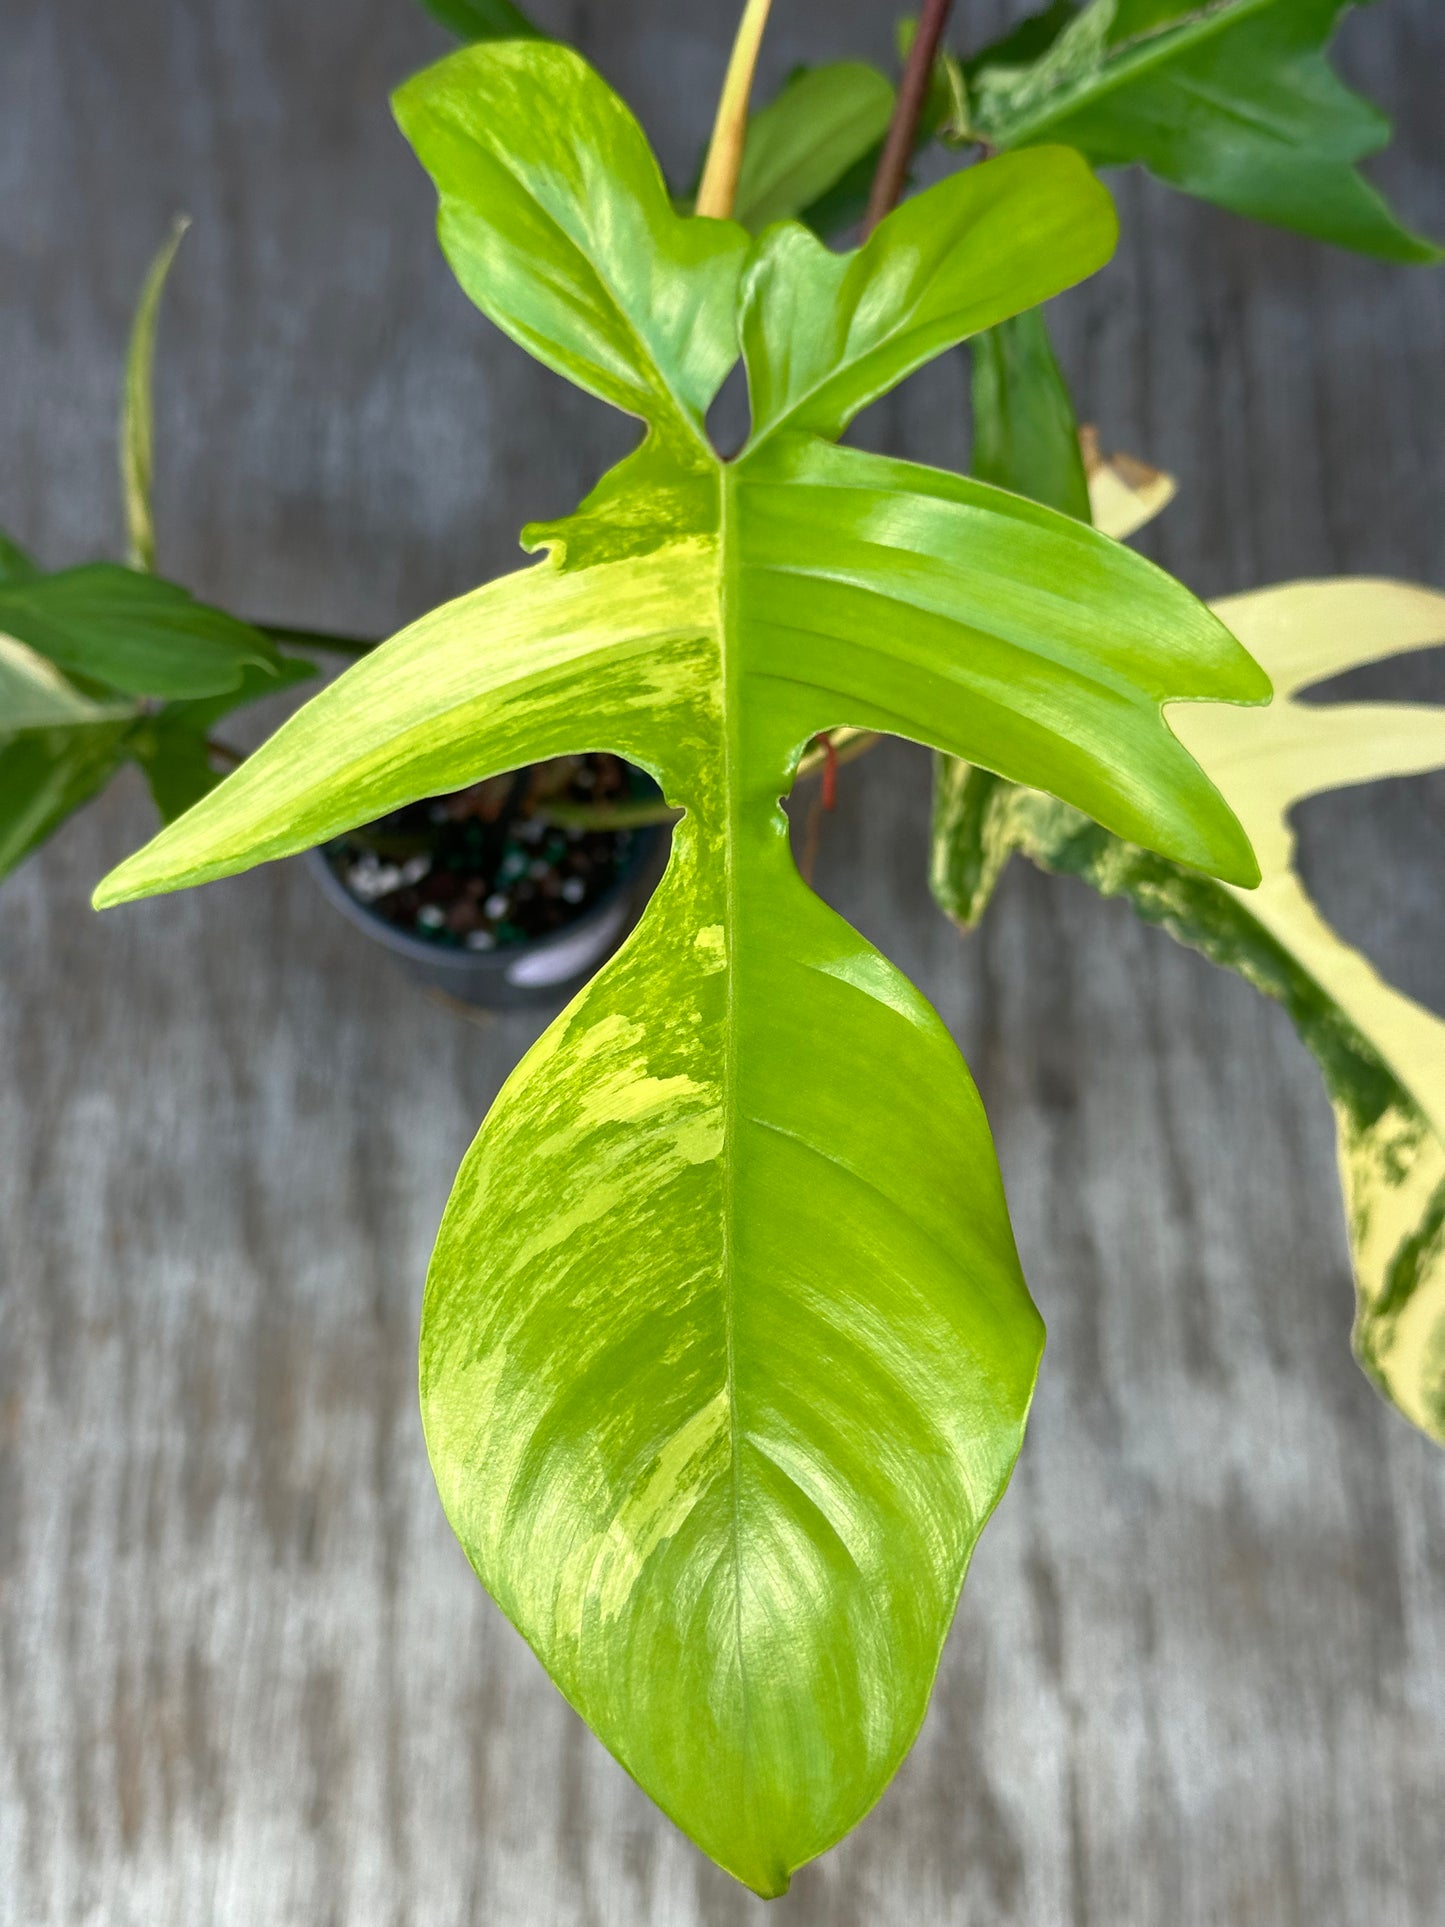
<point>60,743</point>
<point>1382,1056</point>
<point>726,1355</point>
<point>1234,101</point>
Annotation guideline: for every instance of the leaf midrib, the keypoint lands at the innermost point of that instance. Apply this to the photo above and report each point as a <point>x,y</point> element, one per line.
<point>731,790</point>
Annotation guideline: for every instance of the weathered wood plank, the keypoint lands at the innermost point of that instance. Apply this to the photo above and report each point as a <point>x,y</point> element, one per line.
<point>245,1675</point>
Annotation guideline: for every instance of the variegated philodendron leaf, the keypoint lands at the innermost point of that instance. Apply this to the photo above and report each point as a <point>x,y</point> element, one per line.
<point>726,1354</point>
<point>1382,1056</point>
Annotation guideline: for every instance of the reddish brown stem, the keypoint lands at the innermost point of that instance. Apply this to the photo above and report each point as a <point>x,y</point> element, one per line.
<point>893,162</point>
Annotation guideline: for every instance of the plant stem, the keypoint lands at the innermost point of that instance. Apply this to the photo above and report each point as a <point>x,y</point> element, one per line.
<point>724,164</point>
<point>892,174</point>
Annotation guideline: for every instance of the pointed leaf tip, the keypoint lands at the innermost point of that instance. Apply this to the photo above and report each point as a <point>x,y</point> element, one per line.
<point>557,222</point>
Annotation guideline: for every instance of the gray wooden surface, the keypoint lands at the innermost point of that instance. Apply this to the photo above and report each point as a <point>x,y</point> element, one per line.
<point>245,1674</point>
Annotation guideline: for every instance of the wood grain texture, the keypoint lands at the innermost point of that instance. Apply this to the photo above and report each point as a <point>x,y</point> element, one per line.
<point>245,1675</point>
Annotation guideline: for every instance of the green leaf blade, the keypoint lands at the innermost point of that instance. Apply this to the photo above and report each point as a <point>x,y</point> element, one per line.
<point>173,747</point>
<point>34,695</point>
<point>15,564</point>
<point>557,222</point>
<point>742,1193</point>
<point>825,334</point>
<point>1025,433</point>
<point>484,684</point>
<point>1382,1056</point>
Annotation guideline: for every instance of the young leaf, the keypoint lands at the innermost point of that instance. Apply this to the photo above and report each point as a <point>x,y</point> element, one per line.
<point>484,19</point>
<point>725,1354</point>
<point>818,127</point>
<point>1025,435</point>
<point>1382,1056</point>
<point>1233,101</point>
<point>135,633</point>
<point>137,417</point>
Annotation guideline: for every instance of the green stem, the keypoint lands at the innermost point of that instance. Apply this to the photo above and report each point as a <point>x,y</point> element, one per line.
<point>719,187</point>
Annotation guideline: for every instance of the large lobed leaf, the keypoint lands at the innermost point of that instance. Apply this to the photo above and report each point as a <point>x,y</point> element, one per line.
<point>726,1354</point>
<point>1382,1056</point>
<point>1231,100</point>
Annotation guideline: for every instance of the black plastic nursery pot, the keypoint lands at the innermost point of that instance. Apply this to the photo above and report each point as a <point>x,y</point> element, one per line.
<point>505,893</point>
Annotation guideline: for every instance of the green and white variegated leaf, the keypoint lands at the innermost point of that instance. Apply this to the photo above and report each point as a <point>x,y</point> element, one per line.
<point>1231,100</point>
<point>726,1354</point>
<point>1382,1056</point>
